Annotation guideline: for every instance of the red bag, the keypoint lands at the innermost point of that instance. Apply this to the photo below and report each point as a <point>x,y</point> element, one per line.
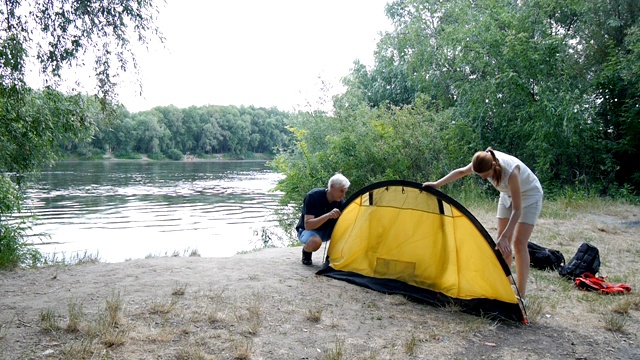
<point>597,283</point>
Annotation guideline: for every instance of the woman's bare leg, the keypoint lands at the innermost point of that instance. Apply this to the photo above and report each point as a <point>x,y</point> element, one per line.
<point>520,241</point>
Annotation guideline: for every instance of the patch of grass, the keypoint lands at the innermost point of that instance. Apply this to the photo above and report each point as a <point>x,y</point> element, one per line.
<point>242,350</point>
<point>452,307</point>
<point>616,279</point>
<point>410,345</point>
<point>76,315</point>
<point>75,259</point>
<point>622,307</point>
<point>114,308</point>
<point>567,206</point>
<point>615,322</point>
<point>214,317</point>
<point>337,352</point>
<point>314,315</point>
<point>162,307</point>
<point>372,305</point>
<point>534,308</point>
<point>49,320</point>
<point>186,253</point>
<point>112,336</point>
<point>84,348</point>
<point>194,253</point>
<point>110,333</point>
<point>255,315</point>
<point>371,355</point>
<point>4,329</point>
<point>473,324</point>
<point>635,301</point>
<point>179,289</point>
<point>191,353</point>
<point>83,338</point>
<point>552,280</point>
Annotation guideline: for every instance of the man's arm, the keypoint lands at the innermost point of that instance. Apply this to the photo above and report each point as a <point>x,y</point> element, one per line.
<point>311,222</point>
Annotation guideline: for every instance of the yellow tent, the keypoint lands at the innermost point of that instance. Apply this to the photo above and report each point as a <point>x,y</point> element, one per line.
<point>399,238</point>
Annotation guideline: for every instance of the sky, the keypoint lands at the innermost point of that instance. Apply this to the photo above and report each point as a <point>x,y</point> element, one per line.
<point>266,53</point>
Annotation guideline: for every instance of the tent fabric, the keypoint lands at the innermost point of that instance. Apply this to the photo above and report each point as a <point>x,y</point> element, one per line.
<point>399,238</point>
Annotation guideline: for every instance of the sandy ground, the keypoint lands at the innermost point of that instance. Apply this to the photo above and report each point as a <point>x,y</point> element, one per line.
<point>266,305</point>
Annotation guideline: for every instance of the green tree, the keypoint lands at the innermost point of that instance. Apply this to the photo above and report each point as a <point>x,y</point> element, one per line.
<point>106,137</point>
<point>151,132</point>
<point>209,138</point>
<point>172,120</point>
<point>611,42</point>
<point>125,133</point>
<point>57,35</point>
<point>191,122</point>
<point>366,145</point>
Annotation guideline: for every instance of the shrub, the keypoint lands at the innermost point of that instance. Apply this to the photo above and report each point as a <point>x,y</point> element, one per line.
<point>126,154</point>
<point>156,156</point>
<point>14,250</point>
<point>89,153</point>
<point>174,154</point>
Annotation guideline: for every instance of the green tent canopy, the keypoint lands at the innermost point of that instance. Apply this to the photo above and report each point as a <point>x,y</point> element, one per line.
<point>400,238</point>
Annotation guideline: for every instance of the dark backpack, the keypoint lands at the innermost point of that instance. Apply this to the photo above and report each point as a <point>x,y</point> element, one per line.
<point>545,259</point>
<point>586,260</point>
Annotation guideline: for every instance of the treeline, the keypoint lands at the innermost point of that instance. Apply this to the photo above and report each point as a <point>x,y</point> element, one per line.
<point>554,82</point>
<point>171,132</point>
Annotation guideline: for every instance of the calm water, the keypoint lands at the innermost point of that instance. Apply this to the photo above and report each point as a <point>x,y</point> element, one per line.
<point>126,210</point>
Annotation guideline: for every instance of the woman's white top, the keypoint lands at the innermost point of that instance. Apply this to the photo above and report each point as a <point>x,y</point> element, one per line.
<point>530,188</point>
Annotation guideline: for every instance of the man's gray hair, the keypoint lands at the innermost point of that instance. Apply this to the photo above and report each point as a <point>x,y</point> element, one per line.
<point>339,180</point>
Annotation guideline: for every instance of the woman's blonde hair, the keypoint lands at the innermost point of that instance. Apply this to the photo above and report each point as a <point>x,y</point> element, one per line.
<point>484,161</point>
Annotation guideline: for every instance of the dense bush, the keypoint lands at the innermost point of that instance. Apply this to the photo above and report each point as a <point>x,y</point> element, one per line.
<point>369,145</point>
<point>14,250</point>
<point>126,154</point>
<point>156,156</point>
<point>174,154</point>
<point>89,153</point>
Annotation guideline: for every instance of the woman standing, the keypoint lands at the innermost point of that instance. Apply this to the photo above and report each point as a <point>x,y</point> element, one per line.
<point>518,207</point>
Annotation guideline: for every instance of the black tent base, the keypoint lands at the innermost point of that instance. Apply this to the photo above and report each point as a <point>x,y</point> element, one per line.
<point>486,308</point>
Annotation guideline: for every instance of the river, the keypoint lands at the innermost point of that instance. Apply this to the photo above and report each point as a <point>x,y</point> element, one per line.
<point>120,210</point>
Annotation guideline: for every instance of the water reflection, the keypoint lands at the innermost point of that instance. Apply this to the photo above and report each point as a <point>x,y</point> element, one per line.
<point>123,210</point>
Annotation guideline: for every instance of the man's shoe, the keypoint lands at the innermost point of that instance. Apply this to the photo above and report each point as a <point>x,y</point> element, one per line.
<point>306,257</point>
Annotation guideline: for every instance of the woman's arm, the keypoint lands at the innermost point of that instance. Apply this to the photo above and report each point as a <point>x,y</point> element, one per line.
<point>452,176</point>
<point>516,204</point>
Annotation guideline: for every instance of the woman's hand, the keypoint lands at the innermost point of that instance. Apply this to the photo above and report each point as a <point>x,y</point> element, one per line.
<point>504,247</point>
<point>430,184</point>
